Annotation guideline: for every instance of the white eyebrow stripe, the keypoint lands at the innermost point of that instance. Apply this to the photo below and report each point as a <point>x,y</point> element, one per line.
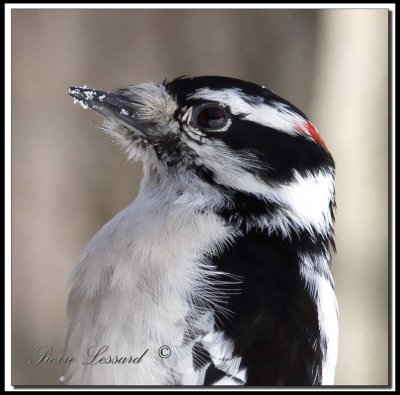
<point>277,116</point>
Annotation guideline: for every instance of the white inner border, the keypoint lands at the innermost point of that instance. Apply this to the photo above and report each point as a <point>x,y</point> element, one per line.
<point>7,159</point>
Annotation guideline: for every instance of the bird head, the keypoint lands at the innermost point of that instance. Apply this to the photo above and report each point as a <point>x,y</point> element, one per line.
<point>256,153</point>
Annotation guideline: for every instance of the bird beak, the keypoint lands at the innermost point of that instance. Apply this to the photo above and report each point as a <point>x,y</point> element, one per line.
<point>108,104</point>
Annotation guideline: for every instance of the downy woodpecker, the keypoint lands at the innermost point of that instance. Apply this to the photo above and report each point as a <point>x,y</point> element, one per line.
<point>218,272</point>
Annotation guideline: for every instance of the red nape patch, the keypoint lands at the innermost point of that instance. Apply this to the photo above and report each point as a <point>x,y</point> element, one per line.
<point>312,130</point>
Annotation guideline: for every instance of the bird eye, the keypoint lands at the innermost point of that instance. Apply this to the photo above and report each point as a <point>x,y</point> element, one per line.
<point>211,117</point>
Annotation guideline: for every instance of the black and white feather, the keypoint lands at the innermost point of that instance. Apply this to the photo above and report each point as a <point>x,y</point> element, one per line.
<point>223,256</point>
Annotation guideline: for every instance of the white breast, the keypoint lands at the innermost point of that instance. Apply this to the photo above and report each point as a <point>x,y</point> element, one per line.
<point>134,284</point>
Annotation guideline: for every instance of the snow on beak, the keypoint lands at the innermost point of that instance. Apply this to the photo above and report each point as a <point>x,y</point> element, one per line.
<point>108,104</point>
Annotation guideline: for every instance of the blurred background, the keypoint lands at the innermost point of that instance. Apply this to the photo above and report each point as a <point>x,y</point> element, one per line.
<point>68,179</point>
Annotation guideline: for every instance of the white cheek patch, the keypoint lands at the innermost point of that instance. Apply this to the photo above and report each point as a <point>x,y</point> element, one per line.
<point>277,116</point>
<point>305,201</point>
